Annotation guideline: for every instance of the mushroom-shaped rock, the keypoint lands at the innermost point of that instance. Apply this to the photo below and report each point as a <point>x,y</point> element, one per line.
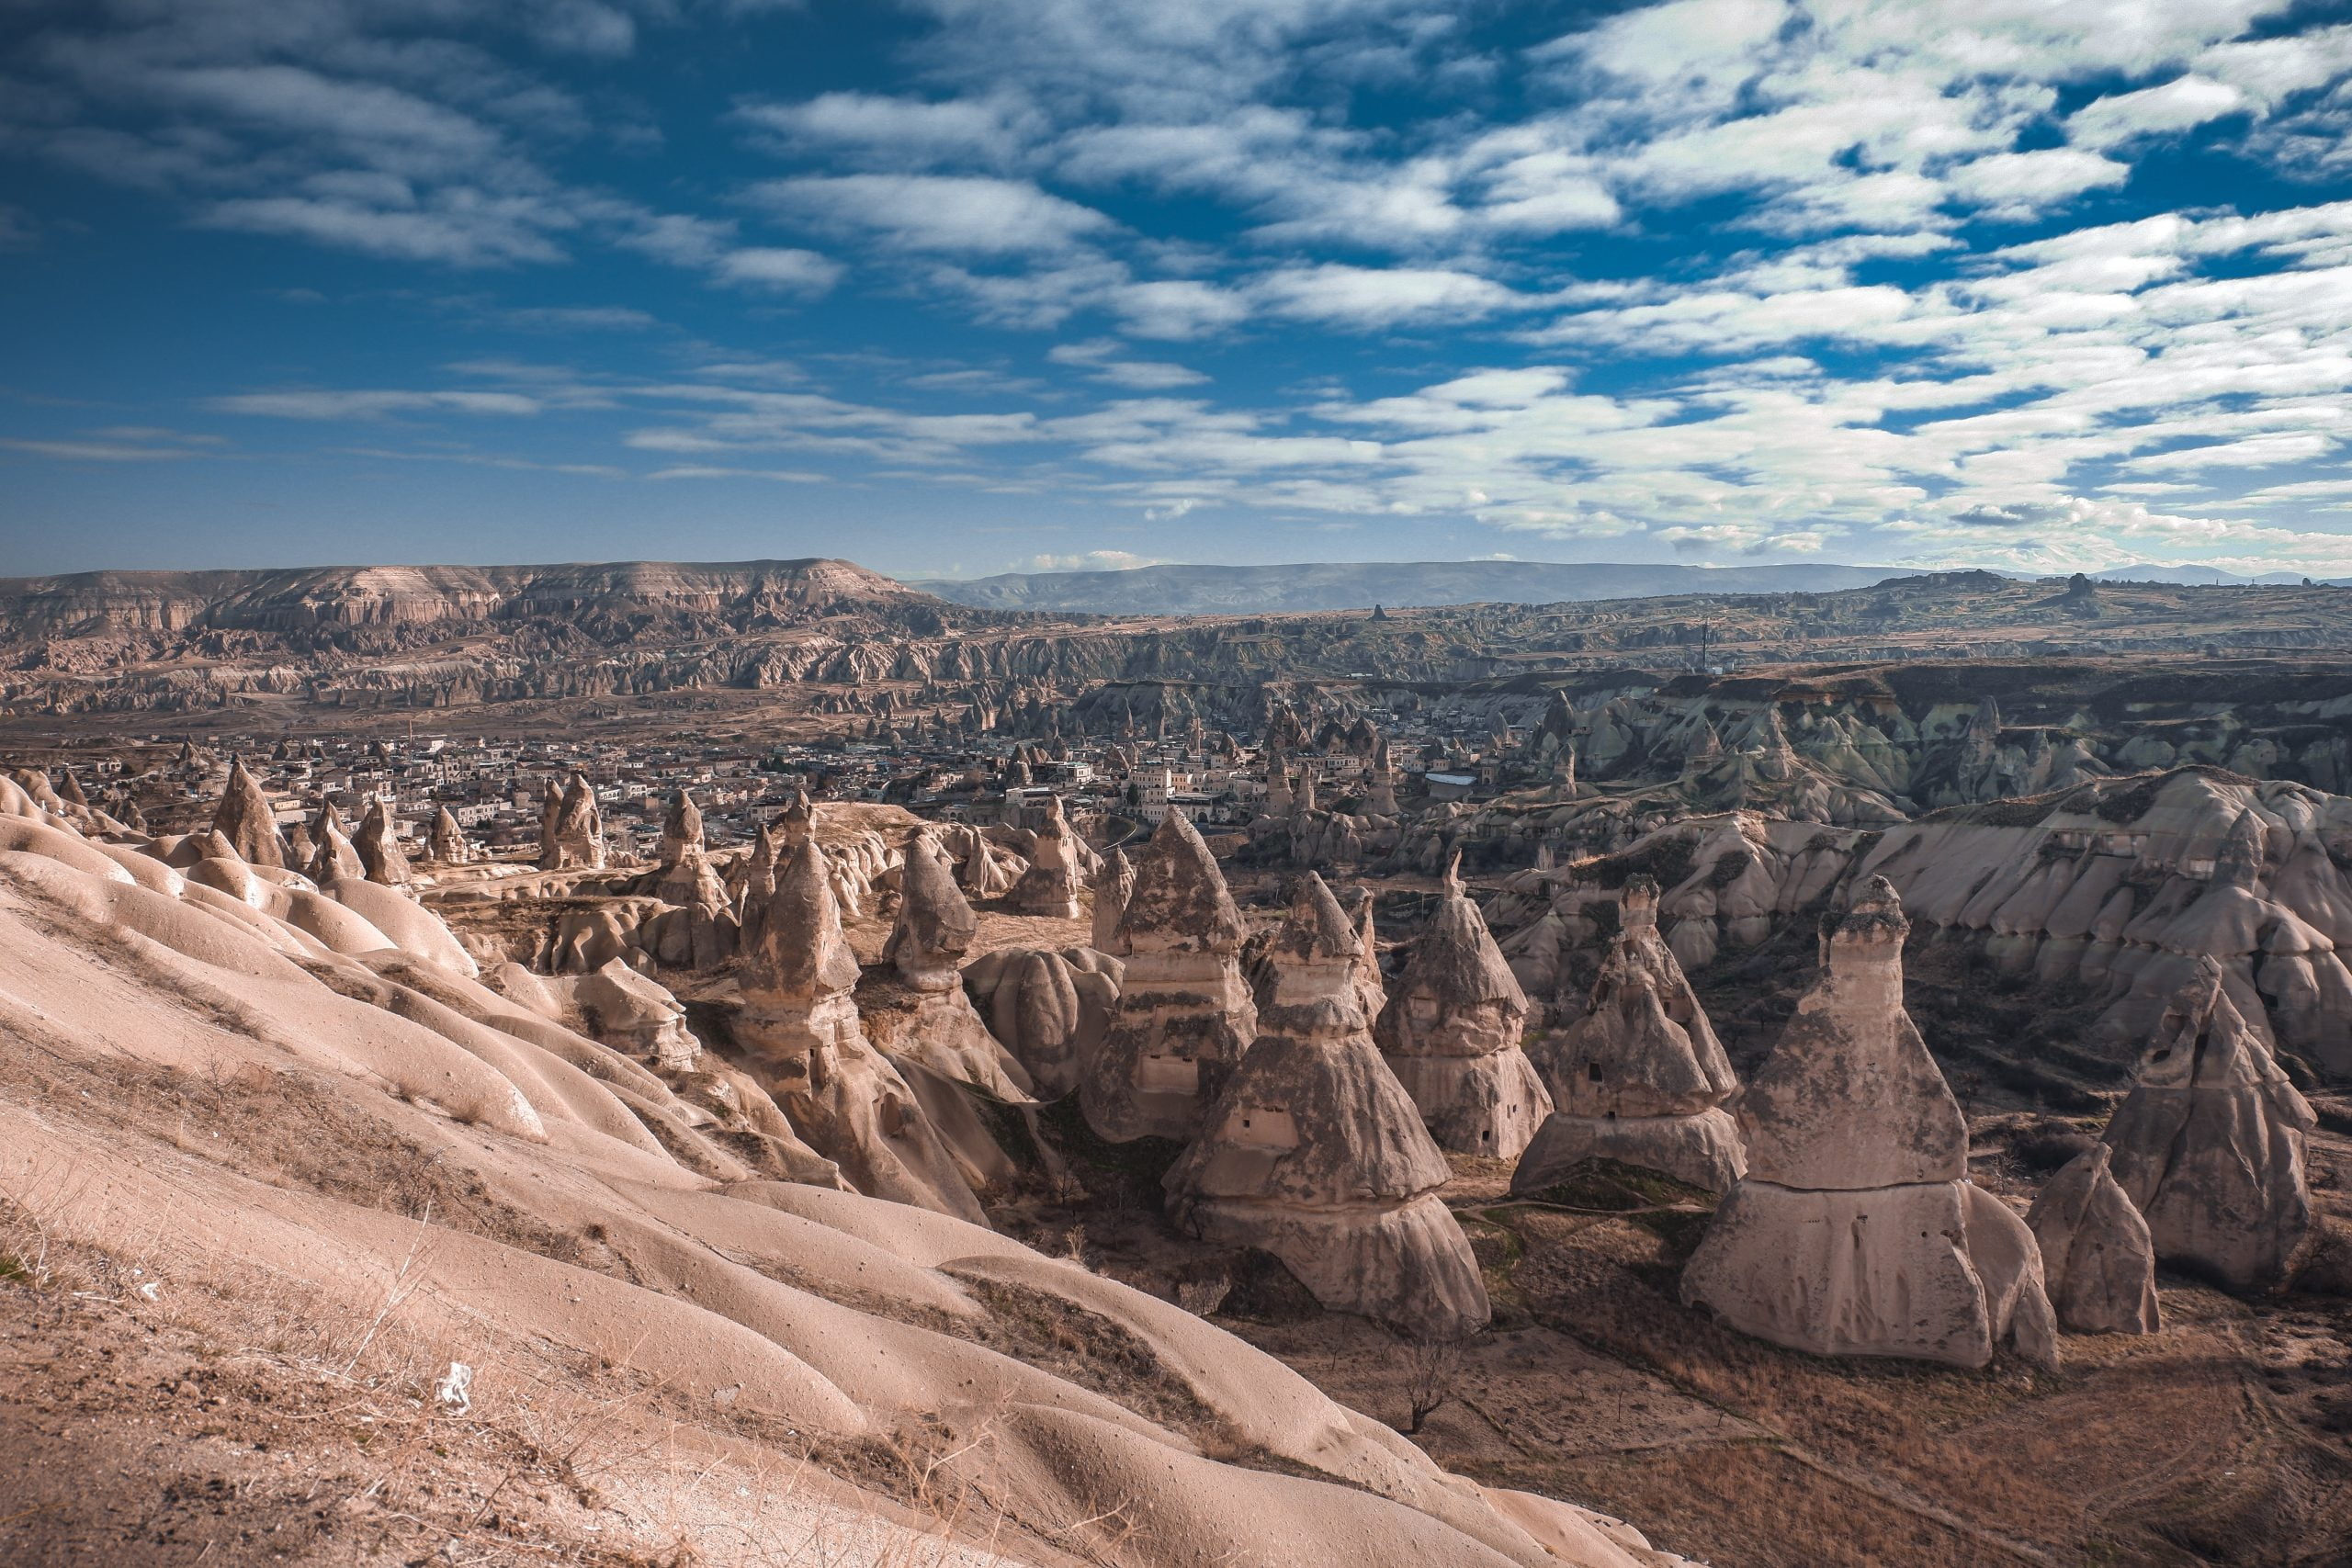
<point>1639,1078</point>
<point>1113,886</point>
<point>1185,1014</point>
<point>379,847</point>
<point>244,819</point>
<point>681,829</point>
<point>1450,1031</point>
<point>1050,885</point>
<point>1314,1153</point>
<point>1856,1231</point>
<point>2098,1261</point>
<point>800,1027</point>
<point>2208,1144</point>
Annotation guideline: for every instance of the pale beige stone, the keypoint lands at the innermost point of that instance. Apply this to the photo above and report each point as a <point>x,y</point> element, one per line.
<point>1314,1152</point>
<point>2098,1257</point>
<point>1450,1030</point>
<point>1185,1014</point>
<point>2208,1144</point>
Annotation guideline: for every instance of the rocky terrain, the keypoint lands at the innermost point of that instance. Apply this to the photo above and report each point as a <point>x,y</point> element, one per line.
<point>284,646</point>
<point>1882,1106</point>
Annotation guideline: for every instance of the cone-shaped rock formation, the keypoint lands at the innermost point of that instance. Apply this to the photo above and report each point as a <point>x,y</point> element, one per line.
<point>246,819</point>
<point>1314,1153</point>
<point>378,845</point>
<point>1451,1032</point>
<point>2208,1144</point>
<point>2098,1258</point>
<point>1185,1014</point>
<point>334,858</point>
<point>1856,1231</point>
<point>800,1029</point>
<point>933,930</point>
<point>572,830</point>
<point>1640,1078</point>
<point>1051,884</point>
<point>447,843</point>
<point>1113,884</point>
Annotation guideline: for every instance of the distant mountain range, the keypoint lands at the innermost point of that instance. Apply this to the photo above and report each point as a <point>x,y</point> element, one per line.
<point>1350,585</point>
<point>2206,577</point>
<point>1359,585</point>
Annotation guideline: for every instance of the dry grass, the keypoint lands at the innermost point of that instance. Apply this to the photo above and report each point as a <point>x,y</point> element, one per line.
<point>316,1409</point>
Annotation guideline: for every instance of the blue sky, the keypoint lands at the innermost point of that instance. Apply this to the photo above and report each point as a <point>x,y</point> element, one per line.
<point>958,286</point>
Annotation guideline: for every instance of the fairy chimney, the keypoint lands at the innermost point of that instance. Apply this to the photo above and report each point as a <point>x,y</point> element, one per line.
<point>1185,1014</point>
<point>2208,1144</point>
<point>244,819</point>
<point>1314,1152</point>
<point>1451,1032</point>
<point>1856,1231</point>
<point>1639,1076</point>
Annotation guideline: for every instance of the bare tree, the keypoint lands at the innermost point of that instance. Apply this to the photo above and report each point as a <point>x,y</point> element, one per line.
<point>1431,1367</point>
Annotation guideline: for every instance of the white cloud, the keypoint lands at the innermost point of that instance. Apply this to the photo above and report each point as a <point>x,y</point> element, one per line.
<point>2165,109</point>
<point>73,451</point>
<point>950,214</point>
<point>896,132</point>
<point>787,271</point>
<point>1089,560</point>
<point>2022,184</point>
<point>780,476</point>
<point>350,405</point>
<point>1371,297</point>
<point>1101,359</point>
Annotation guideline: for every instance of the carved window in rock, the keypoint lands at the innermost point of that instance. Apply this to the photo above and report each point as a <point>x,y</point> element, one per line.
<point>1167,1075</point>
<point>1264,1127</point>
<point>1424,1010</point>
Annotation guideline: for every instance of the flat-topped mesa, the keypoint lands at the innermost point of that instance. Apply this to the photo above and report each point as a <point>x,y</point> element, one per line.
<point>1050,886</point>
<point>1639,1078</point>
<point>2208,1144</point>
<point>1450,1031</point>
<point>1113,884</point>
<point>572,830</point>
<point>1314,1153</point>
<point>447,843</point>
<point>244,819</point>
<point>803,1041</point>
<point>942,1029</point>
<point>2098,1260</point>
<point>1185,1014</point>
<point>378,845</point>
<point>1856,1231</point>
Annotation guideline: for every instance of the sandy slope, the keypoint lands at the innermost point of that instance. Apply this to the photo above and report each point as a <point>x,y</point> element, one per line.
<point>320,1171</point>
